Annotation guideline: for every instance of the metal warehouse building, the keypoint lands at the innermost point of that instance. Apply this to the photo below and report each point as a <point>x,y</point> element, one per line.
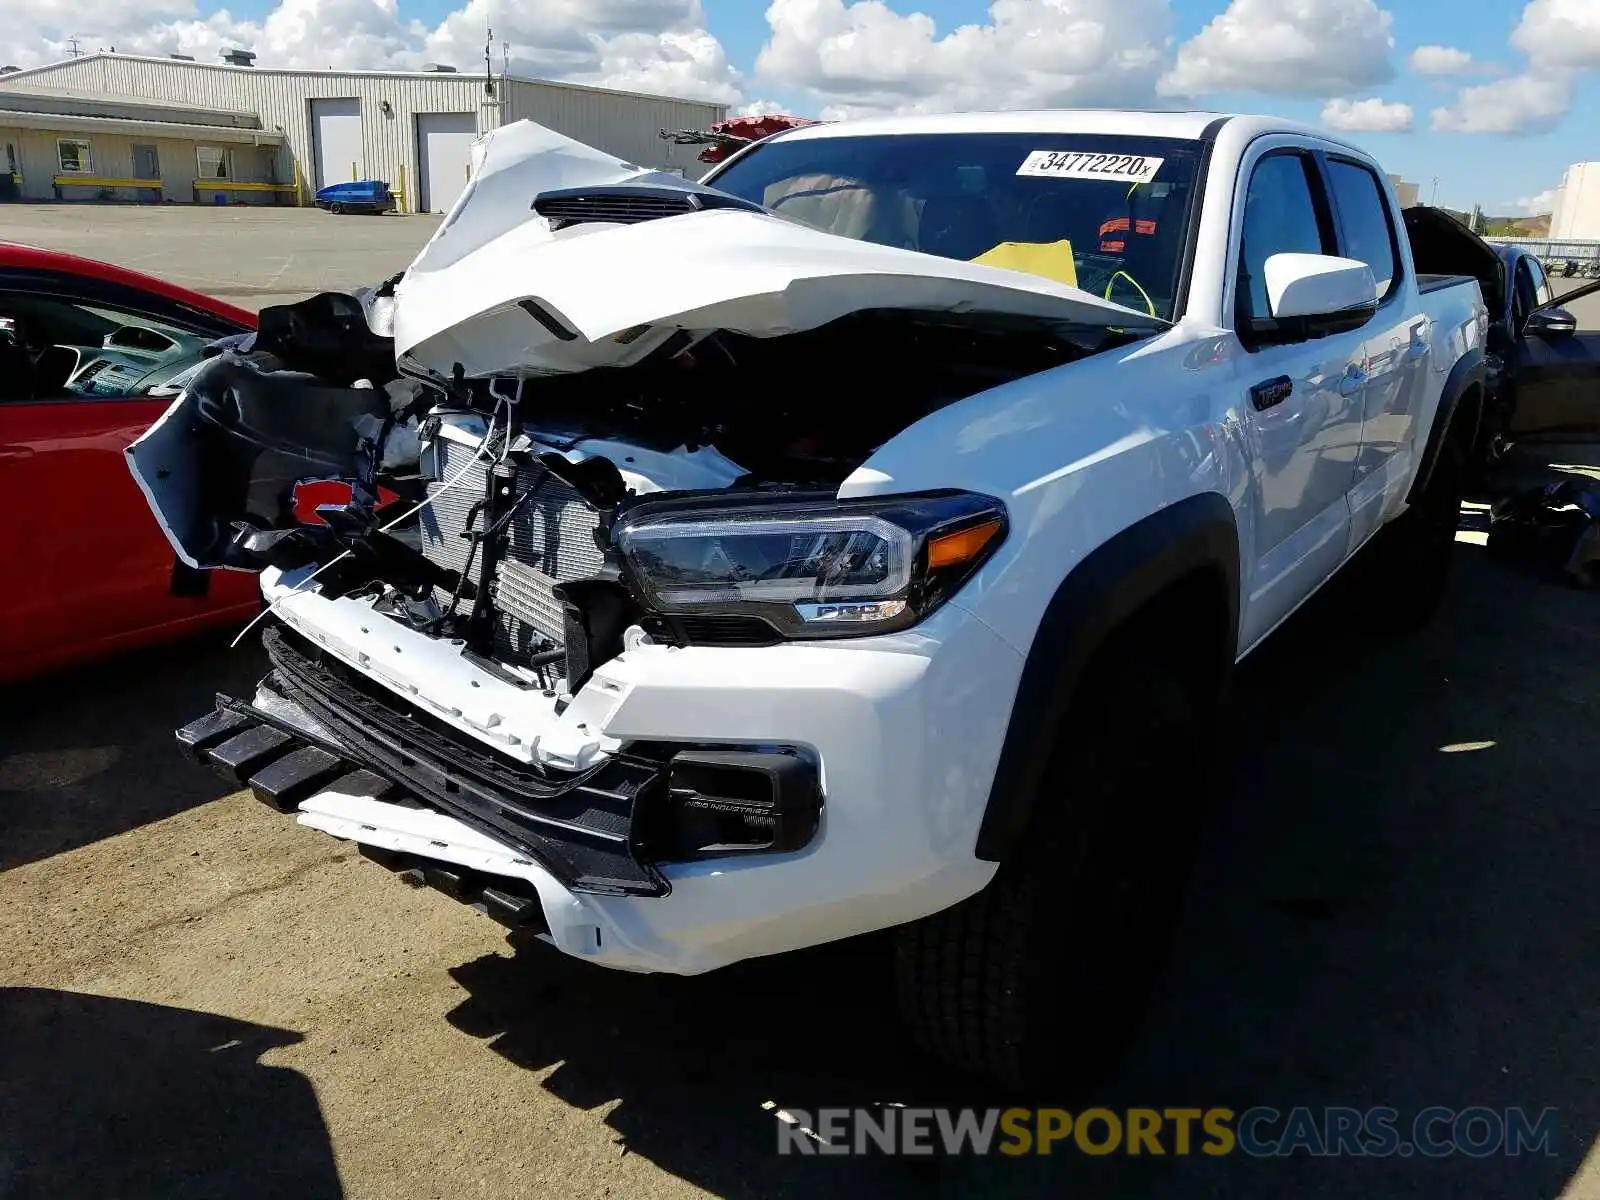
<point>127,127</point>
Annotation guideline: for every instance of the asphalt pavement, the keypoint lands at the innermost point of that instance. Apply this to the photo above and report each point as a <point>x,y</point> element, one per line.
<point>250,256</point>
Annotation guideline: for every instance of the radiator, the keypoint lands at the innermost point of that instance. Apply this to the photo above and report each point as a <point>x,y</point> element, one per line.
<point>552,541</point>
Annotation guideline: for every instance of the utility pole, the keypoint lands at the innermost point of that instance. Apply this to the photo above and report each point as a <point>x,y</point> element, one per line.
<point>488,62</point>
<point>72,48</point>
<point>1433,202</point>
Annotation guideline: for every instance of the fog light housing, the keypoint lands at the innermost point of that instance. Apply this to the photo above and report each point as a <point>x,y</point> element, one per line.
<point>728,802</point>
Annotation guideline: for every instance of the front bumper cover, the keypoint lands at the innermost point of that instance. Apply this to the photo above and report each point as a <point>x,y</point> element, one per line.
<point>599,831</point>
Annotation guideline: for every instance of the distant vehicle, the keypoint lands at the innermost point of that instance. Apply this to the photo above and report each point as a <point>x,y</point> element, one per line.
<point>90,356</point>
<point>358,196</point>
<point>726,138</point>
<point>1542,374</point>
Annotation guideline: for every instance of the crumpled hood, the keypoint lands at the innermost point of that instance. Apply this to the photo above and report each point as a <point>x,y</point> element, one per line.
<point>500,291</point>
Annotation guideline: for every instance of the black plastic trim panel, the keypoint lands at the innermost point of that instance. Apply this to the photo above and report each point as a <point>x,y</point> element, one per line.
<point>1101,593</point>
<point>579,828</point>
<point>1464,376</point>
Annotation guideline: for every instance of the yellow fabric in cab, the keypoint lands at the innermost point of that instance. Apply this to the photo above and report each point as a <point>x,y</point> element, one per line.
<point>1051,260</point>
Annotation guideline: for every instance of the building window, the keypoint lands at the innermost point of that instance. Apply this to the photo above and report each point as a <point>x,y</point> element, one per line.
<point>72,156</point>
<point>213,162</point>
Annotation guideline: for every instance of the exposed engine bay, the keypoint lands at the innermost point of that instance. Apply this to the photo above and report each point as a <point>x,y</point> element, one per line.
<point>509,491</point>
<point>505,449</point>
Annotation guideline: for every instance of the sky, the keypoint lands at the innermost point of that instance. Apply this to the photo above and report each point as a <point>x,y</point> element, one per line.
<point>1493,98</point>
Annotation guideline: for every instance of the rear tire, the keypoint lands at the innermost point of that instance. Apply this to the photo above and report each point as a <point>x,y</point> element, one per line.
<point>336,209</point>
<point>1042,974</point>
<point>1409,560</point>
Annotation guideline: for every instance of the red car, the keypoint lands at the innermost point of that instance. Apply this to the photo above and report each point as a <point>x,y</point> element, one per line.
<point>90,356</point>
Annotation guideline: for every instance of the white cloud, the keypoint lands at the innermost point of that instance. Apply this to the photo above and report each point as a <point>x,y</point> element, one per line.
<point>760,108</point>
<point>1440,60</point>
<point>1367,116</point>
<point>1560,33</point>
<point>1536,206</point>
<point>1526,103</point>
<point>1295,48</point>
<point>659,46</point>
<point>640,45</point>
<point>863,57</point>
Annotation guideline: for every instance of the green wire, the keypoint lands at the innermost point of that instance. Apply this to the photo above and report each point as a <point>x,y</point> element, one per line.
<point>1148,303</point>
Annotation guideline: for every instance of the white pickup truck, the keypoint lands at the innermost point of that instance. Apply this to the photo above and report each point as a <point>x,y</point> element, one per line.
<point>861,538</point>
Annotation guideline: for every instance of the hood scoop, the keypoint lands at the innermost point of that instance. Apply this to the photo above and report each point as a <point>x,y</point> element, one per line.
<point>629,204</point>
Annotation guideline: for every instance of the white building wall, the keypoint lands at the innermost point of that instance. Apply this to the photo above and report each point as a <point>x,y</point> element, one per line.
<point>1577,212</point>
<point>1405,193</point>
<point>111,157</point>
<point>622,123</point>
<point>619,123</point>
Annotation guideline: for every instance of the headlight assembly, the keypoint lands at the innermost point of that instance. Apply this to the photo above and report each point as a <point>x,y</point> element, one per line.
<point>805,566</point>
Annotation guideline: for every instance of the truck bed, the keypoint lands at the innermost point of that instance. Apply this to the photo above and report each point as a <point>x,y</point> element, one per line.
<point>1435,283</point>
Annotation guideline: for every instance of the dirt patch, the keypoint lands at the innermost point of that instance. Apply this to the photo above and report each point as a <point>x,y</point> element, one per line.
<point>1395,905</point>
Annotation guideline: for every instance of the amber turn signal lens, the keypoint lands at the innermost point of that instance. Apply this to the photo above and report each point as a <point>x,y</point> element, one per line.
<point>953,549</point>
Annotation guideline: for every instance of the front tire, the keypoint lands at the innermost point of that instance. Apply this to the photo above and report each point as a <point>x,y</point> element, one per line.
<point>1041,975</point>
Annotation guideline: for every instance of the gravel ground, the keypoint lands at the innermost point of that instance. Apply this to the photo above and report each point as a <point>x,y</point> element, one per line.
<point>1395,905</point>
<point>199,998</point>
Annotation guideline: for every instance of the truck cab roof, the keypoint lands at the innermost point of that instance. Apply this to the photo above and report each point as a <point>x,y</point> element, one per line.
<point>1193,124</point>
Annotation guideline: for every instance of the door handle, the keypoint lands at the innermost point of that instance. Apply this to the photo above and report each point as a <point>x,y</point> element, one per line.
<point>1352,381</point>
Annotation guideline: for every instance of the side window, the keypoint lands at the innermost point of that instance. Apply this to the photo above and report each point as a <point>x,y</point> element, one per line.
<point>1541,283</point>
<point>72,156</point>
<point>1524,299</point>
<point>99,342</point>
<point>212,162</point>
<point>1280,217</point>
<point>1365,223</point>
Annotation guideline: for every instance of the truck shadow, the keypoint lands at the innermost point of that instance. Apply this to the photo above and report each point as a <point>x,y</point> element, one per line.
<point>88,753</point>
<point>108,1097</point>
<point>1393,906</point>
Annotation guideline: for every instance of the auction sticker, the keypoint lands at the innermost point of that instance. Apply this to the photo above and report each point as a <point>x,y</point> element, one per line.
<point>1077,164</point>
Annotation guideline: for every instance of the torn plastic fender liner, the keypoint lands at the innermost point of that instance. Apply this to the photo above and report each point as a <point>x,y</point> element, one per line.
<point>233,446</point>
<point>330,336</point>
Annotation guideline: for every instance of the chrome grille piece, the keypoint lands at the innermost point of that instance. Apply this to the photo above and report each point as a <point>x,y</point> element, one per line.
<point>552,540</point>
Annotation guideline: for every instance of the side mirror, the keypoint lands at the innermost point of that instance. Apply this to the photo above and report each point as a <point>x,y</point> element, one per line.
<point>1551,323</point>
<point>1312,296</point>
<point>1319,285</point>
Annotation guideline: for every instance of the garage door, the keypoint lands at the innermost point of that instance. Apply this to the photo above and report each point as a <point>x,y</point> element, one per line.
<point>336,140</point>
<point>444,146</point>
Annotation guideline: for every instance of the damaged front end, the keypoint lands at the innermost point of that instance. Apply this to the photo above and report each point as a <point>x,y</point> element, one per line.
<point>458,556</point>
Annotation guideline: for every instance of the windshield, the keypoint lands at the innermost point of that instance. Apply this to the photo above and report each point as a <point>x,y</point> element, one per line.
<point>1108,214</point>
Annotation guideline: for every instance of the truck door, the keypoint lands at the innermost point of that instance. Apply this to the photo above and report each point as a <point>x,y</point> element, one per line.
<point>1395,347</point>
<point>1301,401</point>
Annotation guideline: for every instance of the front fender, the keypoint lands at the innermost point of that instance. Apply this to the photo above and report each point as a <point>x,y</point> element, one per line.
<point>1195,536</point>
